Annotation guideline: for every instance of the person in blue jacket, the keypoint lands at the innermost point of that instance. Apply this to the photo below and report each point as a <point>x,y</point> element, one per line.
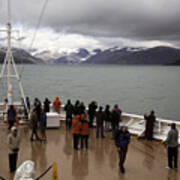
<point>122,140</point>
<point>43,124</point>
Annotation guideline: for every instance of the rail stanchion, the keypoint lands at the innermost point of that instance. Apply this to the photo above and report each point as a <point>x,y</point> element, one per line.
<point>54,171</point>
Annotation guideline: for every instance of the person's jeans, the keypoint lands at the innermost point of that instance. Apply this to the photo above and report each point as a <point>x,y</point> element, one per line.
<point>97,131</point>
<point>12,161</point>
<point>122,156</point>
<point>172,156</point>
<point>84,141</point>
<point>75,141</point>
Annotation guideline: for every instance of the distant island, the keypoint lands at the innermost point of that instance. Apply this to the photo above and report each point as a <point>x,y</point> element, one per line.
<point>160,55</point>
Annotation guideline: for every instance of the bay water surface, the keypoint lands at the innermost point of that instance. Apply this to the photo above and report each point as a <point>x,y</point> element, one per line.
<point>137,89</point>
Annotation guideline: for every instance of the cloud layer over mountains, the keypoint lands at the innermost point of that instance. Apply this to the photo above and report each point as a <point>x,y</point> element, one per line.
<point>98,22</point>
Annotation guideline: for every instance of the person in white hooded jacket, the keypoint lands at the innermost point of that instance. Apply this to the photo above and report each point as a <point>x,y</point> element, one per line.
<point>26,171</point>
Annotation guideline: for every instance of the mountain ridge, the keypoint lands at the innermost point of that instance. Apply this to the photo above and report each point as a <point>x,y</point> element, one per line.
<point>150,56</point>
<point>21,56</point>
<point>160,55</point>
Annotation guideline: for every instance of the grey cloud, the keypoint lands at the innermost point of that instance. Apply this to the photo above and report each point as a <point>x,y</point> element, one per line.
<point>136,19</point>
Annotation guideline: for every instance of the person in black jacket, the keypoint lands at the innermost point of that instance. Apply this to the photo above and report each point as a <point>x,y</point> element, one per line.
<point>76,108</point>
<point>82,108</point>
<point>38,107</point>
<point>114,121</point>
<point>91,112</point>
<point>107,118</point>
<point>69,112</point>
<point>100,122</point>
<point>47,105</point>
<point>150,120</point>
<point>122,140</point>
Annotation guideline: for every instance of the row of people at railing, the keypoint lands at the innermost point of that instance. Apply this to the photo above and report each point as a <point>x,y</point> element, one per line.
<point>111,117</point>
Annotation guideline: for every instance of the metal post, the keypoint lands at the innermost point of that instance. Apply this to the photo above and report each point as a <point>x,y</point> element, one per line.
<point>9,57</point>
<point>3,67</point>
<point>20,83</point>
<point>9,67</point>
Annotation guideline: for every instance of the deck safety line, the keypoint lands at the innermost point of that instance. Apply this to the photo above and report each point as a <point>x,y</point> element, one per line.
<point>1,178</point>
<point>44,173</point>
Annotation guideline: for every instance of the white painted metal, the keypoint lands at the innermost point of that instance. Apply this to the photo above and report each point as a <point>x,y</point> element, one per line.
<point>9,65</point>
<point>136,126</point>
<point>53,120</point>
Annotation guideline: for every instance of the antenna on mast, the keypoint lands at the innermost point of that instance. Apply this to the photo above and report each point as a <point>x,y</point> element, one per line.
<point>9,69</point>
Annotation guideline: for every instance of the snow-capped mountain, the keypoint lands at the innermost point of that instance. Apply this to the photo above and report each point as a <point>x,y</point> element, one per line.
<point>135,56</point>
<point>73,58</point>
<point>116,55</point>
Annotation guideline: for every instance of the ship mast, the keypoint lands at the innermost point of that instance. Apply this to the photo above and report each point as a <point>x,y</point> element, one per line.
<point>9,57</point>
<point>9,70</point>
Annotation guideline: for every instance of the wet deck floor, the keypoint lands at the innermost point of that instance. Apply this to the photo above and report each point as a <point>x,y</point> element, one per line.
<point>145,160</point>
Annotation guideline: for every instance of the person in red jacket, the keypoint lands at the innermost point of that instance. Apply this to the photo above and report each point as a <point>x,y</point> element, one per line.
<point>84,132</point>
<point>57,105</point>
<point>77,125</point>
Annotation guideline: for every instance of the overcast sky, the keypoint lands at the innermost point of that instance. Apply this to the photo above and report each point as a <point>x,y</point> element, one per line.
<point>100,22</point>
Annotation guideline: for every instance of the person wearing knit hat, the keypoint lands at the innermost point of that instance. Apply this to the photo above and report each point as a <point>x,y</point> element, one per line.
<point>13,146</point>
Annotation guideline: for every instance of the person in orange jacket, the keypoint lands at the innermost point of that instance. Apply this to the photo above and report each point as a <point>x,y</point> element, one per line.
<point>84,131</point>
<point>77,125</point>
<point>57,104</point>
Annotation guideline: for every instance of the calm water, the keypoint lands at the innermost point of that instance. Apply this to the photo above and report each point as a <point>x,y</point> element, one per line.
<point>137,89</point>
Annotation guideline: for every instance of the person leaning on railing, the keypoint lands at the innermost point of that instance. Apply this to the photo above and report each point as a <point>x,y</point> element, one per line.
<point>149,127</point>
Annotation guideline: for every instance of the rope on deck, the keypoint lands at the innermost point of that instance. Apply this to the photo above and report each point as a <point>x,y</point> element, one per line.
<point>1,178</point>
<point>44,173</point>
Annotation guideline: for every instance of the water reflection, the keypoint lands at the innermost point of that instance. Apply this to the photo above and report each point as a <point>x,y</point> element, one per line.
<point>80,165</point>
<point>38,155</point>
<point>149,156</point>
<point>68,144</point>
<point>172,175</point>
